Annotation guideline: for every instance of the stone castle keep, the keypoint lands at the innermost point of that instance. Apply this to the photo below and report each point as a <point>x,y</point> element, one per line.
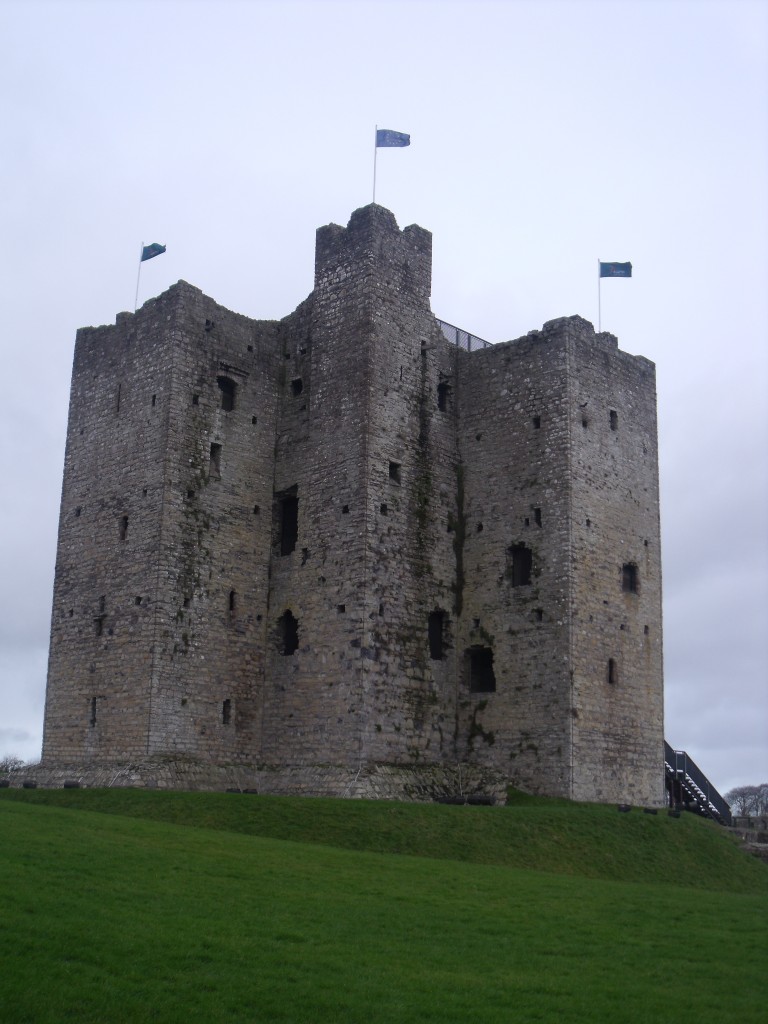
<point>341,553</point>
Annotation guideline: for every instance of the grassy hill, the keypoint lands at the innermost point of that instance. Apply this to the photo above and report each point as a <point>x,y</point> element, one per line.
<point>235,908</point>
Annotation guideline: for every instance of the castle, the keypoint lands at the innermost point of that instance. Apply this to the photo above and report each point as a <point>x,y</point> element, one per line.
<point>356,544</point>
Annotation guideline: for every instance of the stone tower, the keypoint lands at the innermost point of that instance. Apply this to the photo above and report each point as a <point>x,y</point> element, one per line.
<point>340,542</point>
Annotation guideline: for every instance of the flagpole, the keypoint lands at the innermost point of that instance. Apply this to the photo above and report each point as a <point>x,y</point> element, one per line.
<point>375,151</point>
<point>138,278</point>
<point>599,311</point>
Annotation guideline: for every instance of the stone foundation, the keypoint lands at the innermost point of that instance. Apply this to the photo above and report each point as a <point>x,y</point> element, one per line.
<point>369,782</point>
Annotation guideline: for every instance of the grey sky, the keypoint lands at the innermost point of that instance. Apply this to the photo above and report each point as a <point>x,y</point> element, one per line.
<point>545,135</point>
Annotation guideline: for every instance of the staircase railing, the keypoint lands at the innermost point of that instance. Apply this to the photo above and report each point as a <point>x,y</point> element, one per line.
<point>687,784</point>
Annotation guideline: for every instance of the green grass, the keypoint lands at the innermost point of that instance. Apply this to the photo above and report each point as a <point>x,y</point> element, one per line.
<point>588,840</point>
<point>207,916</point>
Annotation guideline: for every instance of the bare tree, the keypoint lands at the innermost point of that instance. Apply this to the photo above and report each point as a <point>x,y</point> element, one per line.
<point>10,763</point>
<point>749,801</point>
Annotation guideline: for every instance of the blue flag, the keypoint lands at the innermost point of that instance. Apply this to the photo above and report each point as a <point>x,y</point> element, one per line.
<point>150,251</point>
<point>615,270</point>
<point>385,137</point>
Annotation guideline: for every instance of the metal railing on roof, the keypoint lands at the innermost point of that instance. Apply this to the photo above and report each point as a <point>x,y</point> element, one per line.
<point>469,342</point>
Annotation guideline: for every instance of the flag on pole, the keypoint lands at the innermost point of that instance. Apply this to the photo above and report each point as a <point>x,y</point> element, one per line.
<point>385,137</point>
<point>148,252</point>
<point>615,270</point>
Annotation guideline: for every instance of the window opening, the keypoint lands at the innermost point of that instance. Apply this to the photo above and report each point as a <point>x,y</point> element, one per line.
<point>256,510</point>
<point>138,600</point>
<point>341,608</point>
<point>436,634</point>
<point>537,516</point>
<point>289,633</point>
<point>78,510</point>
<point>522,565</point>
<point>195,399</point>
<point>443,390</point>
<point>537,422</point>
<point>383,509</point>
<point>254,420</point>
<point>345,510</point>
<point>479,527</point>
<point>297,386</point>
<point>190,493</point>
<point>117,402</point>
<point>629,578</point>
<point>232,601</point>
<point>209,325</point>
<point>612,672</point>
<point>539,613</point>
<point>154,401</point>
<point>482,678</point>
<point>287,513</point>
<point>227,388</point>
<point>123,527</point>
<point>214,469</point>
<point>93,712</point>
<point>394,472</point>
<point>614,417</point>
<point>226,712</point>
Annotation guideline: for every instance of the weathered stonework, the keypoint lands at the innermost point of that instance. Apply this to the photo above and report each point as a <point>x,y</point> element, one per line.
<point>338,546</point>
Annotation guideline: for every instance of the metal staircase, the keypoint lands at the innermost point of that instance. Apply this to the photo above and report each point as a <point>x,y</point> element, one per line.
<point>689,788</point>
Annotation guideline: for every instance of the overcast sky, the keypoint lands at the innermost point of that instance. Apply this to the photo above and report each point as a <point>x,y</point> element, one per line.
<point>545,135</point>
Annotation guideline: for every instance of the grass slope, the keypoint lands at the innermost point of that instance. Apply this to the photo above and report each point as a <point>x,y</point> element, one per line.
<point>548,835</point>
<point>118,919</point>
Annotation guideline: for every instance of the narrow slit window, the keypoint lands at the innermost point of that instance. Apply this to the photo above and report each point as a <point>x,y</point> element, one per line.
<point>537,422</point>
<point>537,516</point>
<point>395,472</point>
<point>614,419</point>
<point>436,634</point>
<point>232,601</point>
<point>214,469</point>
<point>93,712</point>
<point>482,678</point>
<point>287,520</point>
<point>629,578</point>
<point>227,388</point>
<point>226,712</point>
<point>612,672</point>
<point>521,558</point>
<point>443,393</point>
<point>117,401</point>
<point>123,527</point>
<point>288,633</point>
